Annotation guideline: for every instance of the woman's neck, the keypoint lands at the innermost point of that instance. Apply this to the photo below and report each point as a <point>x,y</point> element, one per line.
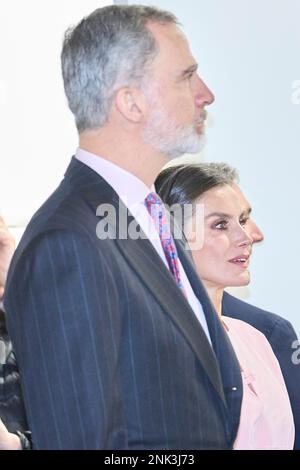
<point>216,296</point>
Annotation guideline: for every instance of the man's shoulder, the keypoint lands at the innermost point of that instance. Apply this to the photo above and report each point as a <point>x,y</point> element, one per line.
<point>73,205</point>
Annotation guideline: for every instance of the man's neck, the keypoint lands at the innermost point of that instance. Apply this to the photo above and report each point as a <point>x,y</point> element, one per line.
<point>133,156</point>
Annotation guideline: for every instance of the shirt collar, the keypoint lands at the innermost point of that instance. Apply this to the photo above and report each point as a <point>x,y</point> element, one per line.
<point>130,189</point>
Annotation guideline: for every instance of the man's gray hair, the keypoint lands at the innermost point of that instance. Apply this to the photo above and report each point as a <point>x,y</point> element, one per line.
<point>108,49</point>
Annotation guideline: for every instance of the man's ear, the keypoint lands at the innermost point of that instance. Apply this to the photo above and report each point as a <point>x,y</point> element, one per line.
<point>130,103</point>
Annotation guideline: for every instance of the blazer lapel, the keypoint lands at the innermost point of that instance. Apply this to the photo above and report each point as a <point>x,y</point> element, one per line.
<point>145,261</point>
<point>229,365</point>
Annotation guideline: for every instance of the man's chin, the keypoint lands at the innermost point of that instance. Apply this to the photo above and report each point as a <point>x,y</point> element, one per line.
<point>197,146</point>
<point>190,149</point>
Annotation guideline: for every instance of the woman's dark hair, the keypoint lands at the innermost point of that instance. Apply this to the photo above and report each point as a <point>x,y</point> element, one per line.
<point>184,184</point>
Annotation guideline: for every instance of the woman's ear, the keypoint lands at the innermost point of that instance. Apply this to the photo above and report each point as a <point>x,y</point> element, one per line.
<point>130,103</point>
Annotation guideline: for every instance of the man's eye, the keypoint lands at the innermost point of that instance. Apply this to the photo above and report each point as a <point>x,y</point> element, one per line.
<point>188,75</point>
<point>243,222</point>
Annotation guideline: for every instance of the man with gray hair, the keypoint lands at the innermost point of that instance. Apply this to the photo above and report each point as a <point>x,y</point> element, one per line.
<point>117,342</point>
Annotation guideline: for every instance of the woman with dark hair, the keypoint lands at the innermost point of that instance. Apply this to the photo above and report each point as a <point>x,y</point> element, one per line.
<point>221,245</point>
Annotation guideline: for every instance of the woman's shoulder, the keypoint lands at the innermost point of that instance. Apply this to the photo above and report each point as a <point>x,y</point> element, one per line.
<point>250,342</point>
<point>242,326</point>
<point>248,335</point>
<point>269,323</point>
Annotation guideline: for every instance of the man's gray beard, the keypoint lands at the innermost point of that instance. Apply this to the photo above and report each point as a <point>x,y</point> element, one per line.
<point>169,138</point>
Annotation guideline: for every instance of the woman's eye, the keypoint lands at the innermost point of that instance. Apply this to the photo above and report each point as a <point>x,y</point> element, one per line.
<point>222,225</point>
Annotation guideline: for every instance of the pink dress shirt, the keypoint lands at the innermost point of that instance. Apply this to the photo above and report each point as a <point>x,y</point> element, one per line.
<point>266,421</point>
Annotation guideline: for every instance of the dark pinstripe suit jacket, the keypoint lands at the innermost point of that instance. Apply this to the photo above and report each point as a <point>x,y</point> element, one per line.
<point>110,353</point>
<point>281,336</point>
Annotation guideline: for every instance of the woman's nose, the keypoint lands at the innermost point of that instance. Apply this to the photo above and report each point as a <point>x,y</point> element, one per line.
<point>244,237</point>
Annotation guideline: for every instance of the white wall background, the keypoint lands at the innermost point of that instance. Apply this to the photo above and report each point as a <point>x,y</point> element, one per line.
<point>249,54</point>
<point>38,136</point>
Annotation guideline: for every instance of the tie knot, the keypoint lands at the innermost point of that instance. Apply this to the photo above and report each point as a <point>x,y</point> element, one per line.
<point>155,206</point>
<point>160,217</point>
<point>158,214</point>
<point>153,198</point>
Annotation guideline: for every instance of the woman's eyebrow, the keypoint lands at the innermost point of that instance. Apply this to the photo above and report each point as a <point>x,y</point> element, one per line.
<point>218,214</point>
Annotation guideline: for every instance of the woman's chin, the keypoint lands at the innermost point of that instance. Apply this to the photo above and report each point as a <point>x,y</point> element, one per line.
<point>240,281</point>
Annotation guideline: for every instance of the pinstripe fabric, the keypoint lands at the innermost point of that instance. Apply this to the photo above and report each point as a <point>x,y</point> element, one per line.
<point>110,352</point>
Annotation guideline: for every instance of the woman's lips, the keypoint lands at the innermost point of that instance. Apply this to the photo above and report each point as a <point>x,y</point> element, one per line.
<point>241,260</point>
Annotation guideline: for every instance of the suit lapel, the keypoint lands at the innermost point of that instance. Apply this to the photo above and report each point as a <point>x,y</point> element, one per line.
<point>147,264</point>
<point>229,366</point>
<point>145,261</point>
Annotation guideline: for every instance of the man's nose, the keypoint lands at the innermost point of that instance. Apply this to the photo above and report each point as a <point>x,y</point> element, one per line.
<point>204,96</point>
<point>255,232</point>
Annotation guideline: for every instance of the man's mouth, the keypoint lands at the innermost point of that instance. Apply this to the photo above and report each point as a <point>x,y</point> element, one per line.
<point>201,119</point>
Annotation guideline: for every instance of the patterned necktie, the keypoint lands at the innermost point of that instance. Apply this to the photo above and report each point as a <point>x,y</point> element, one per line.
<point>158,214</point>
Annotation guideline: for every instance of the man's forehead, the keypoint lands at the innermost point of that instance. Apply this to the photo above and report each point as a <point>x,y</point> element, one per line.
<point>165,29</point>
<point>173,46</point>
<point>168,36</point>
